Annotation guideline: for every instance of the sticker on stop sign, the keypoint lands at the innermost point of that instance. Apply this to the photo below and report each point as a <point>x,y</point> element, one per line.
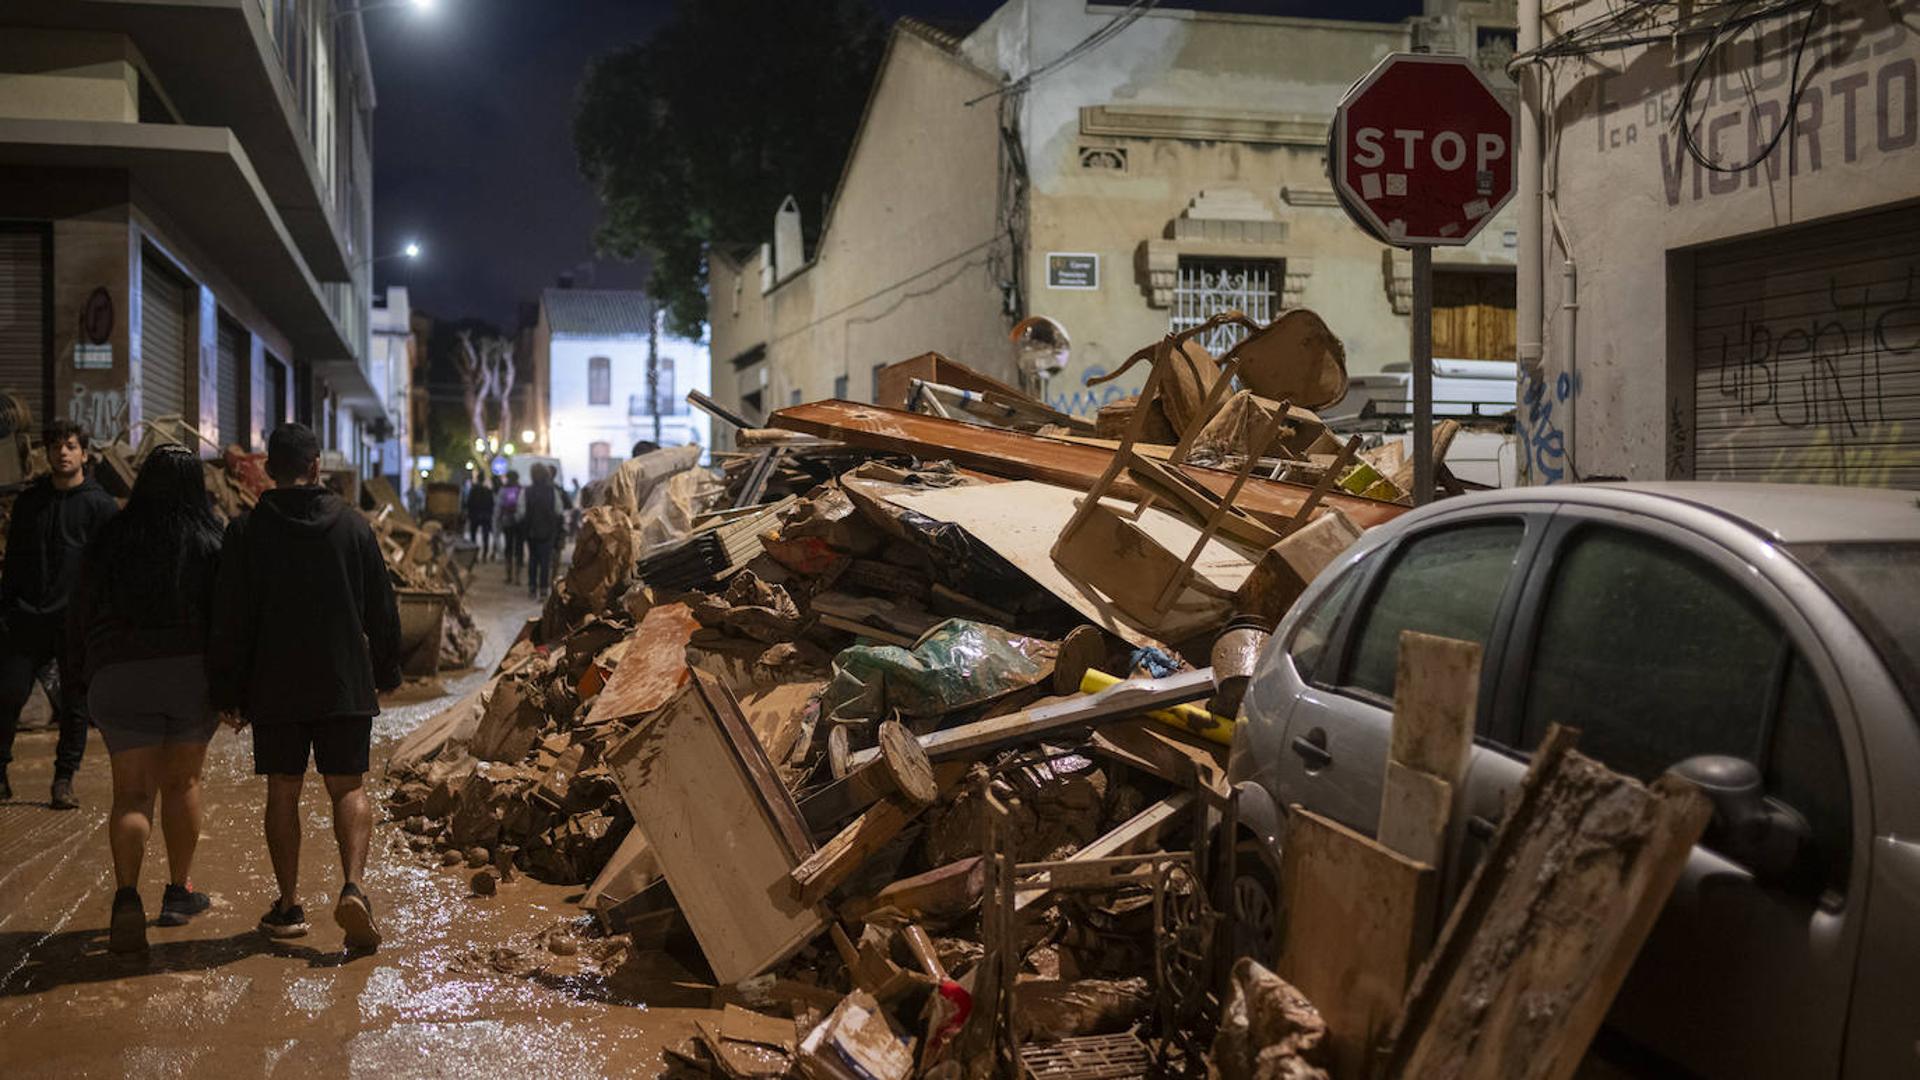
<point>1423,150</point>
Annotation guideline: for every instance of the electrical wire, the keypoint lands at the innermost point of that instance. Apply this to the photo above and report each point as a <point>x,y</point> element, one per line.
<point>1682,114</point>
<point>1135,9</point>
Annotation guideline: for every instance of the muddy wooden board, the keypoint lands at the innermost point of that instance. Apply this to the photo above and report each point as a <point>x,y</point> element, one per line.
<point>724,830</point>
<point>1021,520</point>
<point>653,667</point>
<point>1036,457</point>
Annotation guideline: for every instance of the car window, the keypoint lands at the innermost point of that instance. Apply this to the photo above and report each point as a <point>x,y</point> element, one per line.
<point>1447,582</point>
<point>1309,642</point>
<point>1807,770</point>
<point>1655,655</point>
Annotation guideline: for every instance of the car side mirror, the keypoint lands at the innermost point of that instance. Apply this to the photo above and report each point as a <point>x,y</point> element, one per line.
<point>1768,840</point>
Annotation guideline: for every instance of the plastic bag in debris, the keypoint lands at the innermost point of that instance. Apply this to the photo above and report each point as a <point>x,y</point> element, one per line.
<point>956,664</point>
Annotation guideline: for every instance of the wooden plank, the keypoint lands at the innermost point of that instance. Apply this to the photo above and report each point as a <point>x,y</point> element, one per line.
<point>1129,698</point>
<point>1550,923</point>
<point>942,892</point>
<point>1436,691</point>
<point>1021,456</point>
<point>1415,808</point>
<point>1174,756</point>
<point>722,834</point>
<point>1135,834</point>
<point>839,857</point>
<point>632,868</point>
<point>653,667</point>
<point>1353,911</point>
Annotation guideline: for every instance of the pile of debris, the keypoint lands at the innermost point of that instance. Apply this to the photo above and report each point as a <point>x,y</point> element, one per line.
<point>912,730</point>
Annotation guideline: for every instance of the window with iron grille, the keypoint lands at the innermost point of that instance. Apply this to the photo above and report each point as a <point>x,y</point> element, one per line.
<point>1207,287</point>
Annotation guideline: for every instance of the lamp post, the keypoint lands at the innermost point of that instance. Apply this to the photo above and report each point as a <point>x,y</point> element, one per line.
<point>382,5</point>
<point>410,253</point>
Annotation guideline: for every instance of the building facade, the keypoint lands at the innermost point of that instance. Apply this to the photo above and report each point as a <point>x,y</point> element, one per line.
<point>590,350</point>
<point>1743,302</point>
<point>185,217</point>
<point>390,362</point>
<point>1176,171</point>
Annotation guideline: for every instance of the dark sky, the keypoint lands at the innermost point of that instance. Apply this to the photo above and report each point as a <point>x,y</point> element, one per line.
<point>472,149</point>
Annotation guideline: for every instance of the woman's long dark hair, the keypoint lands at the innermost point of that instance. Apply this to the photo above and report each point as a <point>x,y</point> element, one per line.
<point>154,560</point>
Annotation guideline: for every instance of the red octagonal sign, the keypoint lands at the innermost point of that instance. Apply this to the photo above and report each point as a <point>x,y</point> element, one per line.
<point>1423,150</point>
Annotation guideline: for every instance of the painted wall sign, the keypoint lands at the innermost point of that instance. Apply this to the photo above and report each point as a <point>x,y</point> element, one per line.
<point>93,357</point>
<point>1073,270</point>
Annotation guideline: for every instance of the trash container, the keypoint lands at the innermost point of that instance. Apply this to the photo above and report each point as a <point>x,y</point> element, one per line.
<point>422,614</point>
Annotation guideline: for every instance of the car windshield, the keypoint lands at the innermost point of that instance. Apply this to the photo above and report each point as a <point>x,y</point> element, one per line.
<point>1878,584</point>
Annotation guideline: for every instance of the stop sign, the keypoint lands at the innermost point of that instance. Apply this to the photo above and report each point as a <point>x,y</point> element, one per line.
<point>1423,150</point>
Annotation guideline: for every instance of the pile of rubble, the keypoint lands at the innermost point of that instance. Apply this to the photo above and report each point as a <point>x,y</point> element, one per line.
<point>903,746</point>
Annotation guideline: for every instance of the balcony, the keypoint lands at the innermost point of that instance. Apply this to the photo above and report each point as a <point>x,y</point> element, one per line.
<point>219,64</point>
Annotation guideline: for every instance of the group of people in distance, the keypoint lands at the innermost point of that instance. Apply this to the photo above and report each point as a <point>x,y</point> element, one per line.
<point>161,625</point>
<point>532,521</point>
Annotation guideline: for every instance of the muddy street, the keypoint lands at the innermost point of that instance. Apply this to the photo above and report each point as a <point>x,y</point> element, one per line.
<point>216,997</point>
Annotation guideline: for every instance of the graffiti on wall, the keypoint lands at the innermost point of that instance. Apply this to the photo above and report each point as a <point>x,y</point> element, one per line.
<point>1545,440</point>
<point>1856,97</point>
<point>1831,373</point>
<point>1086,400</point>
<point>104,412</point>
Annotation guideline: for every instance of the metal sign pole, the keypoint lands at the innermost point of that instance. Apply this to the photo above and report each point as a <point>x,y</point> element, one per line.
<point>1422,357</point>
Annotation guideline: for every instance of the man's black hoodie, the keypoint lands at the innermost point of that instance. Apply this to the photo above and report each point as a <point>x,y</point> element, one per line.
<point>49,531</point>
<point>305,625</point>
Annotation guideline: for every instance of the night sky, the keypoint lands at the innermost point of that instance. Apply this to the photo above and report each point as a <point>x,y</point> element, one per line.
<point>473,155</point>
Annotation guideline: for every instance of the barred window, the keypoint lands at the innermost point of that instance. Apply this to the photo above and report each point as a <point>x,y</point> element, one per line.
<point>1207,287</point>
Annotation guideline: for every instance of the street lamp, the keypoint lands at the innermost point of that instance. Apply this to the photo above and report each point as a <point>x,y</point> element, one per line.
<point>382,5</point>
<point>410,252</point>
<point>526,436</point>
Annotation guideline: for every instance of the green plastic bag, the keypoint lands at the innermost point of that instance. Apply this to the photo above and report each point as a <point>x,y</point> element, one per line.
<point>954,665</point>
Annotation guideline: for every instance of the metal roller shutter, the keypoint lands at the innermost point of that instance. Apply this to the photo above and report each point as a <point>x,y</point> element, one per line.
<point>163,343</point>
<point>232,351</point>
<point>23,318</point>
<point>1806,349</point>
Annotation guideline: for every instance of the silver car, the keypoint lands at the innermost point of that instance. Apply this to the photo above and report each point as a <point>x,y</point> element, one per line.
<point>1764,638</point>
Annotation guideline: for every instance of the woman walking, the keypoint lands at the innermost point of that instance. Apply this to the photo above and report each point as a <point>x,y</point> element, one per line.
<point>139,628</point>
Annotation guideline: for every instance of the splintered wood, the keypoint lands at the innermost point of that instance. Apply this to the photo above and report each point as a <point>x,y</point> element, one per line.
<point>1534,952</point>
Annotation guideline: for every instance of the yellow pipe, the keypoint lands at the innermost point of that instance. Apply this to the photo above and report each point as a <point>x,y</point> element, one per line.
<point>1189,718</point>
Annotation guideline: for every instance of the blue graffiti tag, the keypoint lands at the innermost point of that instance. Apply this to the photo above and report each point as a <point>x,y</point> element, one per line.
<point>1546,443</point>
<point>1086,402</point>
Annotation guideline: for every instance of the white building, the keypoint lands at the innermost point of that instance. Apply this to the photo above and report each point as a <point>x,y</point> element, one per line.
<point>590,351</point>
<point>390,370</point>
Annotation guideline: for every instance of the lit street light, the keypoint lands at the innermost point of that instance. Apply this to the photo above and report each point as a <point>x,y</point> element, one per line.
<point>410,252</point>
<point>526,436</point>
<point>382,5</point>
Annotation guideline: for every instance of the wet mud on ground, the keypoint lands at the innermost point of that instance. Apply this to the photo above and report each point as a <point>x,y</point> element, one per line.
<point>217,998</point>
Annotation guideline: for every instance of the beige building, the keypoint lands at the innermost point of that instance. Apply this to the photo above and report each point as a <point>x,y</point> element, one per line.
<point>185,217</point>
<point>1177,170</point>
<point>1742,313</point>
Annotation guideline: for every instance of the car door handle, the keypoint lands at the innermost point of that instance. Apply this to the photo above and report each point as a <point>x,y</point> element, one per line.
<point>1482,828</point>
<point>1314,754</point>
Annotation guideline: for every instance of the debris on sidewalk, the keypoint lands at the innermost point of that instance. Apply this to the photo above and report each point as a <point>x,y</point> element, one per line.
<point>849,722</point>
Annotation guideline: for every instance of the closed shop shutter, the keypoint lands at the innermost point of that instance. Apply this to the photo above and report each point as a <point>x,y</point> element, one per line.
<point>163,342</point>
<point>23,318</point>
<point>1806,349</point>
<point>232,351</point>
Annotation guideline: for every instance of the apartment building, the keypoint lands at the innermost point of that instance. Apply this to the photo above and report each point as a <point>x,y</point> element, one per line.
<point>185,217</point>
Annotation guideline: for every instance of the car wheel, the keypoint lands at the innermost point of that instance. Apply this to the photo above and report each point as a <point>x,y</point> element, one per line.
<point>1256,908</point>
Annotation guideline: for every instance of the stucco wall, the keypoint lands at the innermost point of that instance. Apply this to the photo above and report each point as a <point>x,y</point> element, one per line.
<point>1617,399</point>
<point>575,424</point>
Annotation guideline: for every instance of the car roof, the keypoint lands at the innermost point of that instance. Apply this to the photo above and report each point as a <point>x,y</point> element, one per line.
<point>1787,513</point>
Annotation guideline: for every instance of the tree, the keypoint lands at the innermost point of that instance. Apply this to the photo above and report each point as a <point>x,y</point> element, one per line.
<point>692,138</point>
<point>486,374</point>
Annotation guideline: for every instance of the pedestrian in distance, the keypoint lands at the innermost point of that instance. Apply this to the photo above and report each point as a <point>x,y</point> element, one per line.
<point>507,512</point>
<point>480,516</point>
<point>543,517</point>
<point>306,635</point>
<point>53,521</point>
<point>137,628</point>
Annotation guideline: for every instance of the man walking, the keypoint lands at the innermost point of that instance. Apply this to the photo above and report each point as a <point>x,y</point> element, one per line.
<point>306,634</point>
<point>544,520</point>
<point>480,516</point>
<point>53,521</point>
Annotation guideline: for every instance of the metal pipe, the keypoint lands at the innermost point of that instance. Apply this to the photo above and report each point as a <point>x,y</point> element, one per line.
<point>1529,310</point>
<point>1422,357</point>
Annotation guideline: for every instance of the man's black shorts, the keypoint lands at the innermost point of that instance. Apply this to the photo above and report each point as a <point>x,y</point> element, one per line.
<point>340,746</point>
